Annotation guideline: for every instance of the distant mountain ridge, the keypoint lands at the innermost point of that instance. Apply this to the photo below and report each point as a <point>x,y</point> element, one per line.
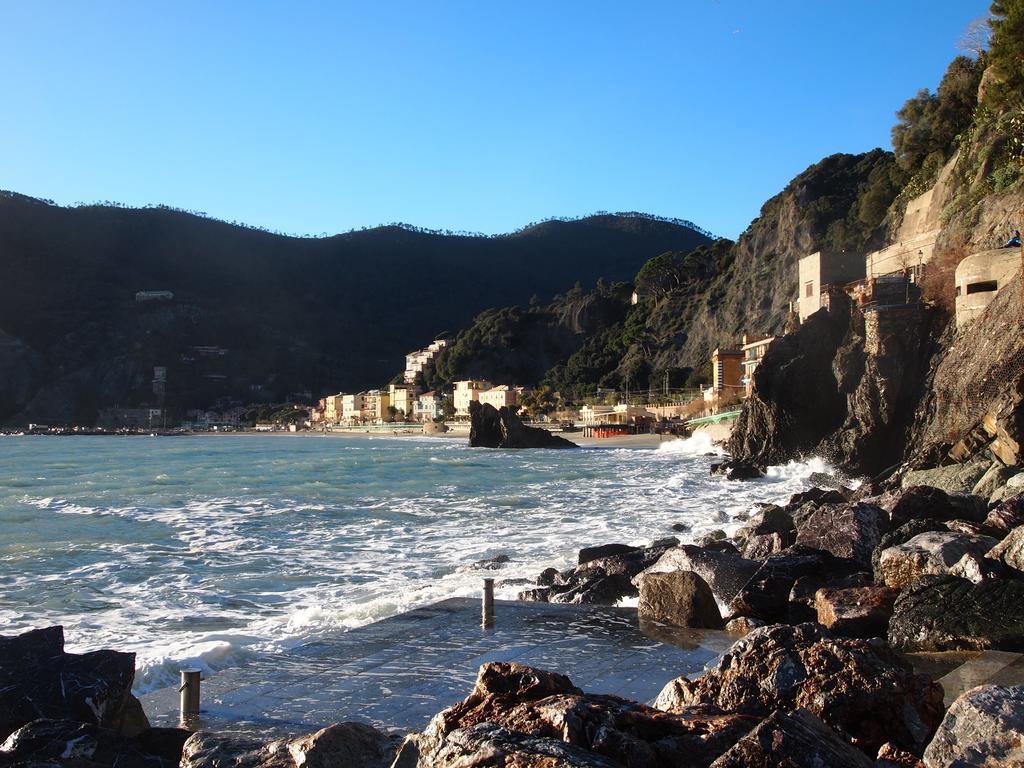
<point>293,314</point>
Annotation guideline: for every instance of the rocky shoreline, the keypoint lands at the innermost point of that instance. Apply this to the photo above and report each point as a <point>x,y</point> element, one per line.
<point>826,594</point>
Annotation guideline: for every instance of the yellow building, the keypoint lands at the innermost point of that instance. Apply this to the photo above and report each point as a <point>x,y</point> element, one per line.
<point>466,392</point>
<point>403,398</point>
<point>332,405</point>
<point>375,406</point>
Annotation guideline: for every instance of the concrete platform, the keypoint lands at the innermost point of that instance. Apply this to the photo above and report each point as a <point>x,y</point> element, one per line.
<point>397,673</point>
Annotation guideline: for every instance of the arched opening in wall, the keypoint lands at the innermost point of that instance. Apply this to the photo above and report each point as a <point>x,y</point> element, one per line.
<point>986,286</point>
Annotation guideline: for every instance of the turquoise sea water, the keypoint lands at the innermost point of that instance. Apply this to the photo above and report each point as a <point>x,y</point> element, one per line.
<point>199,550</point>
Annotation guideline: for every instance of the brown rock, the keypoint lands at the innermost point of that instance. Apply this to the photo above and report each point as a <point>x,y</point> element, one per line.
<point>857,611</point>
<point>743,625</point>
<point>678,599</point>
<point>851,530</point>
<point>540,704</point>
<point>795,740</point>
<point>891,756</point>
<point>861,688</point>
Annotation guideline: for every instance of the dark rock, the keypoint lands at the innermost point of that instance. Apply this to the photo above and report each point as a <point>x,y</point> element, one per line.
<point>721,545</point>
<point>815,496</point>
<point>541,705</point>
<point>795,740</point>
<point>711,536</point>
<point>725,572</point>
<point>548,577</point>
<point>538,595</point>
<point>486,745</point>
<point>488,564</point>
<point>766,595</point>
<point>39,680</point>
<point>1006,515</point>
<point>605,550</point>
<point>969,527</point>
<point>856,611</point>
<point>948,614</point>
<point>927,554</point>
<point>681,527</point>
<point>862,688</point>
<point>492,427</point>
<point>769,519</point>
<point>165,743</point>
<point>353,745</point>
<point>983,727</point>
<point>735,469</point>
<point>678,599</point>
<point>851,531</point>
<point>924,501</point>
<point>597,589</point>
<point>63,740</point>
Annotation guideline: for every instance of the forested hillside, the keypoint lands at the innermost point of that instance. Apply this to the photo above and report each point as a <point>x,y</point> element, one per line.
<point>293,315</point>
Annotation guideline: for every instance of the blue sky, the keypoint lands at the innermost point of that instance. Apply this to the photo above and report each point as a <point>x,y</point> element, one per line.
<point>313,117</point>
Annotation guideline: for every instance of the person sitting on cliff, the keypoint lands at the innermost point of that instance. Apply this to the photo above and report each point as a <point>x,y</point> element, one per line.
<point>1013,242</point>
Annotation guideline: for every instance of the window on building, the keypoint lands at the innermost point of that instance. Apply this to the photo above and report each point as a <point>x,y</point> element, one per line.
<point>808,289</point>
<point>986,286</point>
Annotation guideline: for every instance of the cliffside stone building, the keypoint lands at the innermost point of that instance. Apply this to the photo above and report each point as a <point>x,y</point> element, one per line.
<point>824,271</point>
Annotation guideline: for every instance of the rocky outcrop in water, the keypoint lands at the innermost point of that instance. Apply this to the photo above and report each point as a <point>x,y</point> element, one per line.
<point>501,428</point>
<point>73,743</point>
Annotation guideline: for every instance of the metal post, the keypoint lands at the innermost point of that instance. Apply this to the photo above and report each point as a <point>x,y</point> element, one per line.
<point>189,691</point>
<point>488,604</point>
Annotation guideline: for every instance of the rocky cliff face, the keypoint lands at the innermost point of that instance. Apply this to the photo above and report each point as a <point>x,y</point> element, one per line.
<point>844,385</point>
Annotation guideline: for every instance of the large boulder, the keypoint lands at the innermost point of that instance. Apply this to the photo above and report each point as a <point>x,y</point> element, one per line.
<point>39,680</point>
<point>945,613</point>
<point>353,745</point>
<point>993,479</point>
<point>725,572</point>
<point>486,745</point>
<point>69,740</point>
<point>918,502</point>
<point>1010,550</point>
<point>983,727</point>
<point>953,479</point>
<point>492,427</point>
<point>856,611</point>
<point>928,554</point>
<point>796,740</point>
<point>862,688</point>
<point>543,705</point>
<point>850,531</point>
<point>904,533</point>
<point>678,599</point>
<point>766,594</point>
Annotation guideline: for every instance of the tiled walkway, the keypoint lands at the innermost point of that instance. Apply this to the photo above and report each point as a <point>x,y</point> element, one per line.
<point>397,673</point>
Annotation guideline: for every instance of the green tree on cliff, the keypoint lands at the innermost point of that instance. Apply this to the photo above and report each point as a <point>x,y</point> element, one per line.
<point>1006,53</point>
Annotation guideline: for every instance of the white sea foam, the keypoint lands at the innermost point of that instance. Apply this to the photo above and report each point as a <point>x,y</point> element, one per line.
<point>251,546</point>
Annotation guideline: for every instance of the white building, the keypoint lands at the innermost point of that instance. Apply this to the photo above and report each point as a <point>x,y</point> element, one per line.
<point>466,392</point>
<point>498,396</point>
